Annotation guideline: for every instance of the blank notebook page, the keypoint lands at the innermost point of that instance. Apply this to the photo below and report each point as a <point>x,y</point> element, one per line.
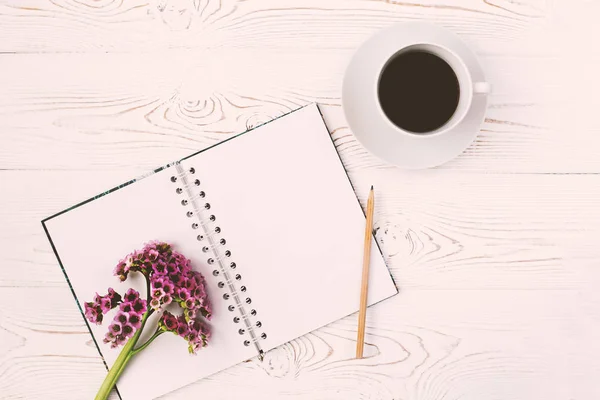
<point>291,221</point>
<point>293,224</point>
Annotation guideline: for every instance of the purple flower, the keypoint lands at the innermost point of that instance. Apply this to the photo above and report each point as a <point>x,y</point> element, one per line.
<point>197,337</point>
<point>115,298</point>
<point>199,293</point>
<point>195,326</point>
<point>160,267</point>
<point>131,295</point>
<point>121,270</point>
<point>168,287</point>
<point>175,278</point>
<point>168,322</point>
<point>155,304</point>
<point>172,268</point>
<point>157,294</point>
<point>115,339</point>
<point>95,310</point>
<point>182,328</point>
<point>190,303</point>
<point>183,294</point>
<point>115,328</point>
<point>122,317</point>
<point>198,278</point>
<point>128,330</point>
<point>105,305</point>
<point>190,313</point>
<point>93,313</point>
<point>135,320</point>
<point>157,283</point>
<point>152,254</point>
<point>171,281</point>
<point>139,306</point>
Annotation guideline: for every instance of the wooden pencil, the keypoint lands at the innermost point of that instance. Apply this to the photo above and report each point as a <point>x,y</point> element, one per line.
<point>364,288</point>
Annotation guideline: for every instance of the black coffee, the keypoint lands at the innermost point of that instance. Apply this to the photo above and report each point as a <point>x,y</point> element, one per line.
<point>418,91</point>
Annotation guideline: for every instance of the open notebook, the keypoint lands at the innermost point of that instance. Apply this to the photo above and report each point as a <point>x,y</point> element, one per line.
<point>280,197</point>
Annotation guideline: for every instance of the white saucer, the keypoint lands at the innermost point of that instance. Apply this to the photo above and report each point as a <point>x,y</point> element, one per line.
<point>370,125</point>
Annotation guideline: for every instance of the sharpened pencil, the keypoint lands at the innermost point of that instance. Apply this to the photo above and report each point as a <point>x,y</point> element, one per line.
<point>364,288</point>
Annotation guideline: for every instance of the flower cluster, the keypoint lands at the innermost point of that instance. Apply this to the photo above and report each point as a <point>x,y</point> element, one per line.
<point>194,331</point>
<point>127,320</point>
<point>170,280</point>
<point>95,310</point>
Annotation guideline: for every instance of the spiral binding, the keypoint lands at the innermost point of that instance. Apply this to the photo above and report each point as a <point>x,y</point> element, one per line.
<point>229,276</point>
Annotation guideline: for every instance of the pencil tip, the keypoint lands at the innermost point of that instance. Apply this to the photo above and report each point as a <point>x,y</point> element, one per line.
<point>371,187</point>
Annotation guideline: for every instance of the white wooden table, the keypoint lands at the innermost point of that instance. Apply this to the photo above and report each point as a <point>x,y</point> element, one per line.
<point>497,253</point>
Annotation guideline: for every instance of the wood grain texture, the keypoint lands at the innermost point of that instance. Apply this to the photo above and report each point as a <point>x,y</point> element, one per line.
<point>495,252</point>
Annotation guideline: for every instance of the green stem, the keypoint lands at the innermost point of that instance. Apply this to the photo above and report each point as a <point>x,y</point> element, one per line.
<point>142,347</point>
<point>121,361</point>
<point>126,354</point>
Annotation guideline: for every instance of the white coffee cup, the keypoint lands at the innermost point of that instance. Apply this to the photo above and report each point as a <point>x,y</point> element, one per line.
<point>467,88</point>
<point>377,132</point>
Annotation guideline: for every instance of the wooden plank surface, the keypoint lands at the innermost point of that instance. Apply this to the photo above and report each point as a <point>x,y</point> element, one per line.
<point>495,252</point>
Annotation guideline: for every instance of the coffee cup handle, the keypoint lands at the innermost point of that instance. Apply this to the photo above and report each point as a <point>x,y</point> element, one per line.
<point>482,88</point>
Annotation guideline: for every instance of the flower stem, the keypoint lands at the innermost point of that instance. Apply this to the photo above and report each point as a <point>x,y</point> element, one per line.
<point>126,354</point>
<point>142,347</point>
